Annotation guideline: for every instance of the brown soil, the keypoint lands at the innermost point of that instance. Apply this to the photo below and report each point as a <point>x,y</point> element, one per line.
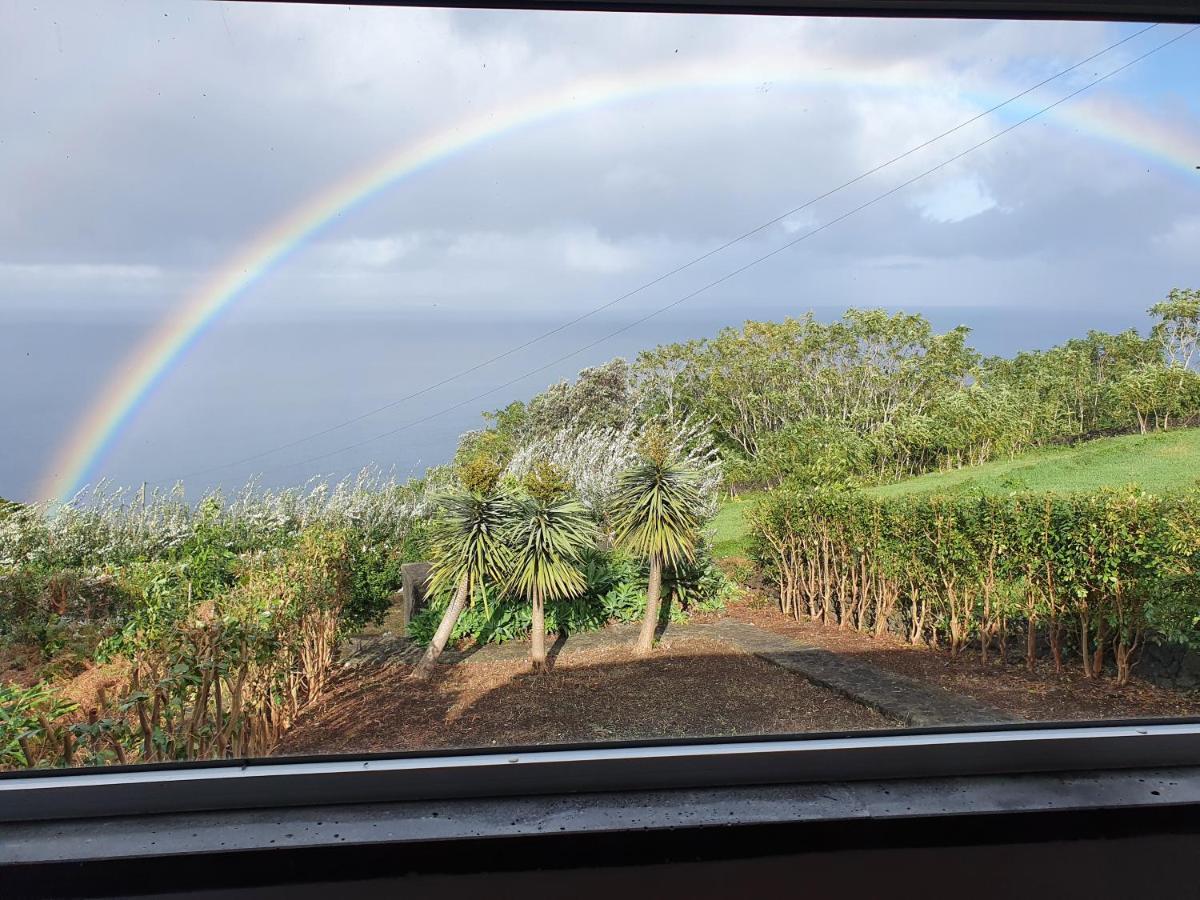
<point>688,688</point>
<point>1039,696</point>
<point>20,664</point>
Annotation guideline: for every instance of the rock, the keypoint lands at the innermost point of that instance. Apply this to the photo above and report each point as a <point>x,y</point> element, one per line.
<point>415,579</point>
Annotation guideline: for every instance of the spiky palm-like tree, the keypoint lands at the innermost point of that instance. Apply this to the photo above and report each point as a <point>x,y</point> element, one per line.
<point>657,515</point>
<point>469,550</point>
<point>548,533</point>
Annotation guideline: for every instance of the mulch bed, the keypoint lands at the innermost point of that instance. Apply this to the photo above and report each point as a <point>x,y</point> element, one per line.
<point>1039,696</point>
<point>692,688</point>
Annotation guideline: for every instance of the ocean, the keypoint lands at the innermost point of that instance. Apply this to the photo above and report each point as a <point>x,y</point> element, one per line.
<point>250,386</point>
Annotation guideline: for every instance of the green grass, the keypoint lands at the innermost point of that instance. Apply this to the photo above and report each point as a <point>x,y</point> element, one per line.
<point>1158,463</point>
<point>730,536</point>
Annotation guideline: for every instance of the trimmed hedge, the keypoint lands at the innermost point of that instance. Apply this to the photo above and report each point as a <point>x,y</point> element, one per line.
<point>1095,572</point>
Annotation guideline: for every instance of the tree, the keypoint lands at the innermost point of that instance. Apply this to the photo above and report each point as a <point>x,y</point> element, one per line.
<point>1146,390</point>
<point>866,373</point>
<point>657,514</point>
<point>1178,330</point>
<point>468,547</point>
<point>600,397</point>
<point>1073,386</point>
<point>548,533</point>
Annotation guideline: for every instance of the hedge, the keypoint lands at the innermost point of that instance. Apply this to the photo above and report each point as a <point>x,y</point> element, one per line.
<point>1096,573</point>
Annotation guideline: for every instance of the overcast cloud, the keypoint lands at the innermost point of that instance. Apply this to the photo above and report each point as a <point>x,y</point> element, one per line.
<point>142,144</point>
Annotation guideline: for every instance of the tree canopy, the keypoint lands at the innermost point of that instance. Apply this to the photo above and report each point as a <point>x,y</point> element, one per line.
<point>870,397</point>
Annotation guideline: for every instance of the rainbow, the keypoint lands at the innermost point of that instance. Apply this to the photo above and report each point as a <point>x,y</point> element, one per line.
<point>136,378</point>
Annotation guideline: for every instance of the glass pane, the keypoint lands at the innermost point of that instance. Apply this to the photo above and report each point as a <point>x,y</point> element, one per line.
<point>383,379</point>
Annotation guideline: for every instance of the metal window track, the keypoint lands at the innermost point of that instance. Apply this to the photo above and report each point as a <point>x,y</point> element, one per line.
<point>274,783</point>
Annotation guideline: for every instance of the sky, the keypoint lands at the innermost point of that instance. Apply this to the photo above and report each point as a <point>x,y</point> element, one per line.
<point>145,147</point>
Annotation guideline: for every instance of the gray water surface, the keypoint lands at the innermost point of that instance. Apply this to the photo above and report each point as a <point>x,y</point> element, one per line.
<point>246,387</point>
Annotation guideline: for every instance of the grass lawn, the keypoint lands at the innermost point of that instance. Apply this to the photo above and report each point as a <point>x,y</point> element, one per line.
<point>1162,462</point>
<point>1156,462</point>
<point>730,537</point>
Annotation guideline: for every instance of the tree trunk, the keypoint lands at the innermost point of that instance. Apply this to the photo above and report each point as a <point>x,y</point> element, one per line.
<point>645,642</point>
<point>1085,644</point>
<point>1056,645</point>
<point>537,644</point>
<point>1101,642</point>
<point>442,635</point>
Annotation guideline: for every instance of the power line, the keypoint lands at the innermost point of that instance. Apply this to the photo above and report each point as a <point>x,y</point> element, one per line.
<point>748,265</point>
<point>664,276</point>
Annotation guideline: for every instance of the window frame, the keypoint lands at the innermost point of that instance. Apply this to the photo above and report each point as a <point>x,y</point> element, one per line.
<point>280,782</point>
<point>1165,11</point>
<point>29,796</point>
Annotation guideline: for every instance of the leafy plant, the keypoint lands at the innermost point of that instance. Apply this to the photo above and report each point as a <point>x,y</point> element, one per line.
<point>657,515</point>
<point>224,675</point>
<point>548,532</point>
<point>32,730</point>
<point>468,547</point>
<point>615,592</point>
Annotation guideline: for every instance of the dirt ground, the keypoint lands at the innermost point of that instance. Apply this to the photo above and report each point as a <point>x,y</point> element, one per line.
<point>1040,696</point>
<point>20,664</point>
<point>690,687</point>
<point>693,688</point>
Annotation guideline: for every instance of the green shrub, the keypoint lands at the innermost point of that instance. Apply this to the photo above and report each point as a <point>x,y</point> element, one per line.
<point>31,726</point>
<point>71,607</point>
<point>375,561</point>
<point>616,592</point>
<point>223,673</point>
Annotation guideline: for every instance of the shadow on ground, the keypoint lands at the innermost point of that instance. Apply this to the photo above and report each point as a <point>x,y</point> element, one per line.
<point>687,688</point>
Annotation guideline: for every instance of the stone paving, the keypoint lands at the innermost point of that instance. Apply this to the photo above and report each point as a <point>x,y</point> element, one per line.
<point>910,701</point>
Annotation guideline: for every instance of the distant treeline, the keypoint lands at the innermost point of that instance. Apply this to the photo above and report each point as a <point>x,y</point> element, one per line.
<point>872,397</point>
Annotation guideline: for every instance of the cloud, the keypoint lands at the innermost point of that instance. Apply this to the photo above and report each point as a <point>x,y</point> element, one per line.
<point>79,271</point>
<point>797,222</point>
<point>1182,238</point>
<point>370,253</point>
<point>955,201</point>
<point>175,141</point>
<point>589,252</point>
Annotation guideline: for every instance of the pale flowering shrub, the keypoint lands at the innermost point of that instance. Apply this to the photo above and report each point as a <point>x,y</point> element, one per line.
<point>100,525</point>
<point>107,525</point>
<point>594,458</point>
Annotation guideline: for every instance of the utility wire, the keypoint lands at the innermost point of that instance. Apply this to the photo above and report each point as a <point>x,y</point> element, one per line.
<point>748,265</point>
<point>664,276</point>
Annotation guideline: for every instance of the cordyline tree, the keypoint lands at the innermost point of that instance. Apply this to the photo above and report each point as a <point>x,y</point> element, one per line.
<point>657,515</point>
<point>468,547</point>
<point>548,533</point>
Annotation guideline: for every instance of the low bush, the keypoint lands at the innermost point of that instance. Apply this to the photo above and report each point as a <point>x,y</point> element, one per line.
<point>216,657</point>
<point>223,672</point>
<point>115,527</point>
<point>376,560</point>
<point>70,608</point>
<point>32,732</point>
<point>615,592</point>
<point>216,618</point>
